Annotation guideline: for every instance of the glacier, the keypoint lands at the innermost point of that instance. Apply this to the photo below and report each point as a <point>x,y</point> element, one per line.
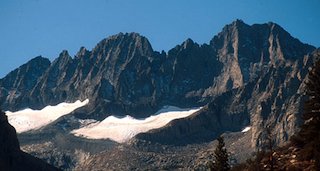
<point>122,129</point>
<point>116,128</point>
<point>28,119</point>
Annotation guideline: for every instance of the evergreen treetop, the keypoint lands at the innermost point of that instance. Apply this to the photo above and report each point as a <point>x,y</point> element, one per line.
<point>221,157</point>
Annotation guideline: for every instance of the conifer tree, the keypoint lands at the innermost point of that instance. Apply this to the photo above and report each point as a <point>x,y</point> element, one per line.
<point>312,105</point>
<point>270,147</point>
<point>221,157</point>
<point>309,134</point>
<point>317,158</point>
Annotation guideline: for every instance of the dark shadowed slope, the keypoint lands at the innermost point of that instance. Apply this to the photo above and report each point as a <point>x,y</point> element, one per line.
<point>11,157</point>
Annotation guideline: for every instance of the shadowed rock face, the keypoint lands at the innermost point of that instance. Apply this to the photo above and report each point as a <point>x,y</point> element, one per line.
<point>9,143</point>
<point>11,157</point>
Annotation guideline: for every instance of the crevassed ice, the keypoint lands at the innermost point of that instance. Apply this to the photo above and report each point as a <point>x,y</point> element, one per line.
<point>29,119</point>
<point>121,129</point>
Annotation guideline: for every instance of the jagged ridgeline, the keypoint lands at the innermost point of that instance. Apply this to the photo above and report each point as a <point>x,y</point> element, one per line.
<point>123,74</point>
<point>246,76</point>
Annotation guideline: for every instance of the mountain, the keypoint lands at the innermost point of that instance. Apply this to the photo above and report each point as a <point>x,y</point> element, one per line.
<point>246,76</point>
<point>123,74</point>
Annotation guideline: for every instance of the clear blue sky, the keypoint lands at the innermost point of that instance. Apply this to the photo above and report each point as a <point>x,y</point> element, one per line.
<point>29,28</point>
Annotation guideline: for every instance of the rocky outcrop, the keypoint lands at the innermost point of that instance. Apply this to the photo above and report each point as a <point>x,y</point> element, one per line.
<point>11,157</point>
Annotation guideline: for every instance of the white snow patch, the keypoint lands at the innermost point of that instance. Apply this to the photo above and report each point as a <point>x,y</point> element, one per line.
<point>29,119</point>
<point>121,129</point>
<point>246,129</point>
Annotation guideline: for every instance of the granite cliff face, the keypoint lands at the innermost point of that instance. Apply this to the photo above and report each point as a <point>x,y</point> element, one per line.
<point>11,157</point>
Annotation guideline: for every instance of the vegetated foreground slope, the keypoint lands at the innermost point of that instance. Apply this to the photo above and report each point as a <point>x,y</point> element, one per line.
<point>246,76</point>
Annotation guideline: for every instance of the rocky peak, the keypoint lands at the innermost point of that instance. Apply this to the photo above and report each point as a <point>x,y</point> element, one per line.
<point>188,43</point>
<point>22,80</point>
<point>290,47</point>
<point>63,60</point>
<point>250,49</point>
<point>39,59</point>
<point>238,21</point>
<point>133,41</point>
<point>59,72</point>
<point>82,52</point>
<point>230,30</point>
<point>237,25</point>
<point>31,70</point>
<point>59,65</point>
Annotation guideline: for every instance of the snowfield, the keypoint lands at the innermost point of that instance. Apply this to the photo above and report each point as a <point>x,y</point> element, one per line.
<point>29,119</point>
<point>121,129</point>
<point>246,129</point>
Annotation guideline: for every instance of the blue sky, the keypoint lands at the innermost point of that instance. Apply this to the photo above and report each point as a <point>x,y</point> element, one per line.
<point>30,28</point>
